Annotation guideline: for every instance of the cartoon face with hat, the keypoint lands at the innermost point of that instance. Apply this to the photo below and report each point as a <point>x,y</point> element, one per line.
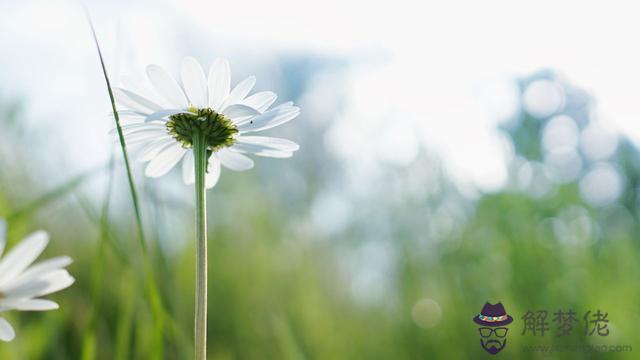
<point>493,321</point>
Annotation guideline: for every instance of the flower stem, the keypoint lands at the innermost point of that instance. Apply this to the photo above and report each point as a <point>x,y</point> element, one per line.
<point>200,155</point>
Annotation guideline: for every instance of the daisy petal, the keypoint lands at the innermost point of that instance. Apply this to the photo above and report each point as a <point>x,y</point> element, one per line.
<point>21,256</point>
<point>55,281</point>
<point>269,142</point>
<point>6,331</point>
<point>166,86</point>
<point>128,120</point>
<point>239,92</point>
<point>151,150</point>
<point>44,267</point>
<point>142,88</point>
<point>219,83</point>
<point>36,305</point>
<point>239,113</point>
<point>271,118</point>
<point>284,105</point>
<point>24,290</point>
<point>261,150</point>
<point>138,138</point>
<point>43,284</point>
<point>188,168</point>
<point>129,103</point>
<point>134,134</point>
<point>164,113</point>
<point>138,128</point>
<point>135,127</point>
<point>213,172</point>
<point>165,161</point>
<point>235,161</point>
<point>194,82</point>
<point>128,113</point>
<point>143,101</point>
<point>260,101</point>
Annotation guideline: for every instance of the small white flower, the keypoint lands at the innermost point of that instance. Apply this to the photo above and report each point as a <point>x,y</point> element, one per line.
<point>164,120</point>
<point>21,284</point>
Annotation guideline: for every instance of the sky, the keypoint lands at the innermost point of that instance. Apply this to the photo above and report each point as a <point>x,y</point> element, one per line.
<point>434,73</point>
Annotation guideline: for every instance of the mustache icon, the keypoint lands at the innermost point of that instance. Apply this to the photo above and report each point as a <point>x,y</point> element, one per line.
<point>489,342</point>
<point>493,346</point>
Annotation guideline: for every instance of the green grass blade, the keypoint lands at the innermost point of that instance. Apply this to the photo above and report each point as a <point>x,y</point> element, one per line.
<point>89,342</point>
<point>152,289</point>
<point>126,317</point>
<point>123,145</point>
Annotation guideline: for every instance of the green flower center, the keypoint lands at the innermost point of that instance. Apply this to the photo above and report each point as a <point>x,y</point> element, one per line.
<point>218,131</point>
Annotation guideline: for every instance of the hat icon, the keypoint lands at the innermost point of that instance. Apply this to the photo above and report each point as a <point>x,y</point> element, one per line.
<point>493,315</point>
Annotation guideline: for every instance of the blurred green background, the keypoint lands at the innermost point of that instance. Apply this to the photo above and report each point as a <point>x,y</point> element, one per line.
<point>300,268</point>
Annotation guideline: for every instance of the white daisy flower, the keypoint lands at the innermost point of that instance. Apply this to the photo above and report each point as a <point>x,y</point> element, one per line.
<point>21,284</point>
<point>163,120</point>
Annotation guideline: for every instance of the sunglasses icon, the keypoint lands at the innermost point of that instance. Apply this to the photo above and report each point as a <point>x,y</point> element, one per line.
<point>486,332</point>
